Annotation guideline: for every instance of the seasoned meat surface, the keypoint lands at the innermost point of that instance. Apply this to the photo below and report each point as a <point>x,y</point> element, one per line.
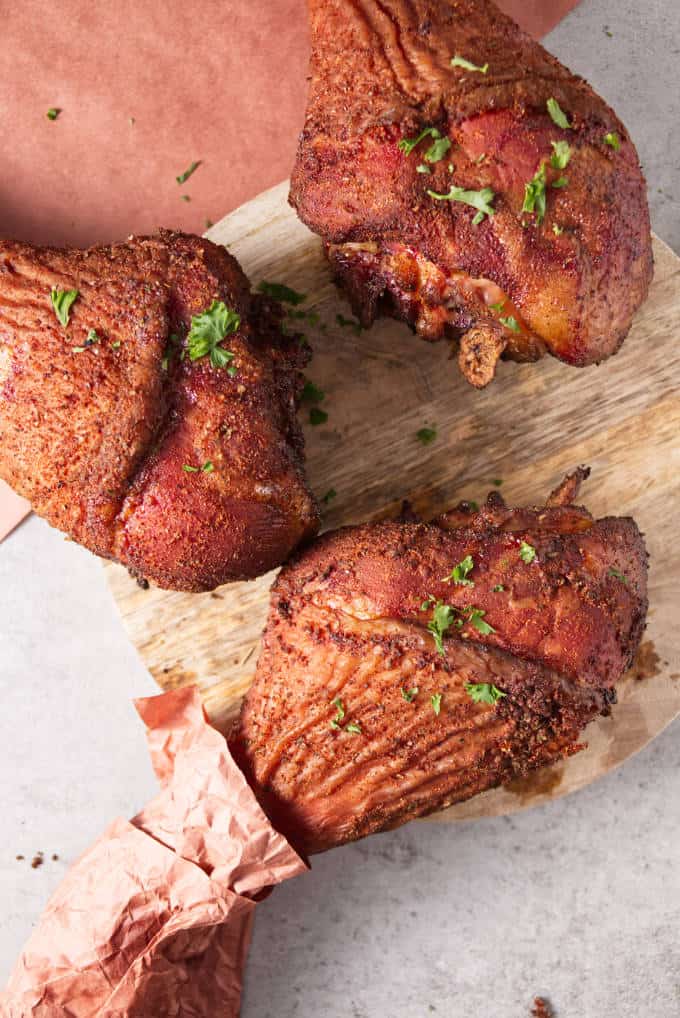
<point>407,666</point>
<point>535,236</point>
<point>190,474</point>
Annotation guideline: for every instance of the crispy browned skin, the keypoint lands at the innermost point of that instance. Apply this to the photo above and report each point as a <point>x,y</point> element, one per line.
<point>347,624</point>
<point>98,440</point>
<point>380,72</point>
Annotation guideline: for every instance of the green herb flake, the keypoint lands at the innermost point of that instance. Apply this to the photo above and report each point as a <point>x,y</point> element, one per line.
<point>61,302</point>
<point>557,230</point>
<point>497,307</point>
<point>208,467</point>
<point>557,115</point>
<point>91,340</point>
<point>498,588</point>
<point>185,197</point>
<point>561,154</point>
<point>349,323</point>
<point>207,332</point>
<point>311,393</point>
<point>534,195</point>
<point>612,139</point>
<point>183,177</point>
<point>437,150</point>
<point>480,200</point>
<point>459,574</point>
<point>279,291</point>
<point>329,496</point>
<point>340,712</point>
<point>436,701</point>
<point>560,182</point>
<point>422,168</point>
<point>497,481</point>
<point>458,61</point>
<point>484,692</point>
<point>409,694</point>
<point>116,345</point>
<point>480,159</point>
<point>527,553</point>
<point>443,616</point>
<point>354,727</point>
<point>426,435</point>
<point>53,113</point>
<point>617,575</point>
<point>475,617</point>
<point>317,416</point>
<point>188,469</point>
<point>510,323</point>
<point>407,145</point>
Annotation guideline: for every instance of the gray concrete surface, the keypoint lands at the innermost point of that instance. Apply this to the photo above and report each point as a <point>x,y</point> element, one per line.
<point>579,901</point>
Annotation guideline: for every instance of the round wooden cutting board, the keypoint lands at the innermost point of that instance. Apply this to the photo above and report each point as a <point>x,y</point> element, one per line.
<point>534,423</point>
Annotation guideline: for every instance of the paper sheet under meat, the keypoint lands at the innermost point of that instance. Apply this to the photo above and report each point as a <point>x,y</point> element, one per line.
<point>154,920</point>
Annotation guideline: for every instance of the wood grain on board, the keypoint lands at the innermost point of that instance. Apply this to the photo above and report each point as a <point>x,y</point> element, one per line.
<point>534,423</point>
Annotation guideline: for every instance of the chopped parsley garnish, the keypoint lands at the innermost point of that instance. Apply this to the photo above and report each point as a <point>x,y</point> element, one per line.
<point>114,346</point>
<point>436,701</point>
<point>612,139</point>
<point>467,65</point>
<point>312,393</point>
<point>472,505</point>
<point>561,154</point>
<point>354,727</point>
<point>317,416</point>
<point>61,302</point>
<point>437,150</point>
<point>527,553</point>
<point>618,575</point>
<point>422,168</point>
<point>207,332</point>
<point>497,307</point>
<point>560,182</point>
<point>426,435</point>
<point>443,617</point>
<point>329,496</point>
<point>483,692</point>
<point>510,323</point>
<point>410,694</point>
<point>53,113</point>
<point>557,230</point>
<point>91,339</point>
<point>340,712</point>
<point>349,323</point>
<point>476,619</point>
<point>406,145</point>
<point>498,588</point>
<point>183,177</point>
<point>281,292</point>
<point>557,115</point>
<point>188,469</point>
<point>534,195</point>
<point>497,481</point>
<point>459,574</point>
<point>480,200</point>
<point>208,467</point>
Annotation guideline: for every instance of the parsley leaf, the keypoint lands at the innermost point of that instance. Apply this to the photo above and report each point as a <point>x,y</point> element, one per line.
<point>183,177</point>
<point>612,139</point>
<point>467,66</point>
<point>340,712</point>
<point>354,727</point>
<point>618,575</point>
<point>561,154</point>
<point>497,307</point>
<point>349,323</point>
<point>330,494</point>
<point>557,230</point>
<point>406,145</point>
<point>208,330</point>
<point>281,292</point>
<point>61,302</point>
<point>556,114</point>
<point>90,340</point>
<point>317,416</point>
<point>426,435</point>
<point>459,574</point>
<point>497,589</point>
<point>480,200</point>
<point>476,620</point>
<point>527,553</point>
<point>422,168</point>
<point>437,150</point>
<point>208,467</point>
<point>409,694</point>
<point>312,393</point>
<point>497,481</point>
<point>436,701</point>
<point>510,323</point>
<point>53,113</point>
<point>534,195</point>
<point>442,619</point>
<point>483,692</point>
<point>188,469</point>
<point>560,182</point>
